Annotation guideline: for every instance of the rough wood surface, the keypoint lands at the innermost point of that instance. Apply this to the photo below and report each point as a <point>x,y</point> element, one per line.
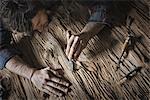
<point>102,52</point>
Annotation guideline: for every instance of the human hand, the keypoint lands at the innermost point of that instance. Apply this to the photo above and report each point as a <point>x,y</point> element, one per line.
<point>49,81</point>
<point>75,44</point>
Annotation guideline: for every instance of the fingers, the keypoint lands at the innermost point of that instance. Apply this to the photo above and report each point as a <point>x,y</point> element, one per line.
<point>60,81</point>
<point>54,84</point>
<point>73,47</point>
<point>49,89</point>
<point>47,81</point>
<point>78,51</point>
<point>52,76</point>
<point>52,71</point>
<point>46,91</point>
<point>69,43</point>
<point>58,86</point>
<point>56,72</point>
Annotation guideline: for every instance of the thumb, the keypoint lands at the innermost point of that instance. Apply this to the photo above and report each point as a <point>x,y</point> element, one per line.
<point>45,69</point>
<point>57,72</point>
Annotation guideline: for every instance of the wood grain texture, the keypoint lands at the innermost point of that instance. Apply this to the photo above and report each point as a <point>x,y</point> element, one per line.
<point>102,52</point>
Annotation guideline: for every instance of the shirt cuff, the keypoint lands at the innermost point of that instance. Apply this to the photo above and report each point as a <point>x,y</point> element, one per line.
<point>6,55</point>
<point>101,14</point>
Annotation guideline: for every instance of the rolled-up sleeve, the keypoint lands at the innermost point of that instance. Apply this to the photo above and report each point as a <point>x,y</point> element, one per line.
<point>101,13</point>
<point>6,50</point>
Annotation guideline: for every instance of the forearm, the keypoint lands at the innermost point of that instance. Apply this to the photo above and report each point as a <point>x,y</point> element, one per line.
<point>17,66</point>
<point>100,16</point>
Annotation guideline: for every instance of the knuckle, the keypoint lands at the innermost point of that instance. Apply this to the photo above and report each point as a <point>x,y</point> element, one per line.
<point>58,93</point>
<point>59,80</point>
<point>72,48</point>
<point>44,81</point>
<point>52,90</point>
<point>47,76</point>
<point>56,84</point>
<point>52,84</point>
<point>47,71</point>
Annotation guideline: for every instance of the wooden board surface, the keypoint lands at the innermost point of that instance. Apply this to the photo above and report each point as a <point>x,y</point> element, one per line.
<point>102,53</point>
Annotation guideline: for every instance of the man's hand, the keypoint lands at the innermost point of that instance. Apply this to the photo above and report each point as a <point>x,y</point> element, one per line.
<point>49,81</point>
<point>46,80</point>
<point>76,43</point>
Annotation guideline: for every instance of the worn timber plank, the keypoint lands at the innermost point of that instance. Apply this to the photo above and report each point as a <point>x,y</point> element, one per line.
<point>102,52</point>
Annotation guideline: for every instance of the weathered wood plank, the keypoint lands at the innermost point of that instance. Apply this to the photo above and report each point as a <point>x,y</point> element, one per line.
<point>102,52</point>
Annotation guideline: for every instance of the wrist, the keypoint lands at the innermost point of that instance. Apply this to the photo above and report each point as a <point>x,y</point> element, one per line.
<point>91,29</point>
<point>26,71</point>
<point>17,66</point>
<point>33,70</point>
<point>86,35</point>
